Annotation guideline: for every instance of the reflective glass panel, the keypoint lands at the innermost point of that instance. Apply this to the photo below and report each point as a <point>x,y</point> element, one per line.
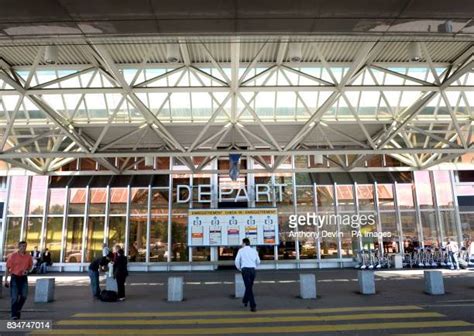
<point>201,254</point>
<point>287,247</point>
<point>74,239</point>
<point>389,225</point>
<point>159,239</point>
<point>118,201</point>
<point>97,201</point>
<point>369,239</point>
<point>448,225</point>
<point>365,194</point>
<point>33,232</point>
<point>139,201</point>
<point>405,196</point>
<point>385,195</point>
<point>423,189</point>
<point>159,201</point>
<point>179,248</point>
<point>94,238</point>
<point>54,227</point>
<point>17,198</point>
<point>305,204</point>
<point>430,229</point>
<point>137,239</point>
<point>444,192</point>
<point>37,197</point>
<point>116,232</point>
<point>345,197</point>
<point>13,227</point>
<point>264,184</point>
<point>329,236</point>
<point>325,198</point>
<point>57,201</point>
<point>77,201</point>
<point>410,231</point>
<point>467,225</point>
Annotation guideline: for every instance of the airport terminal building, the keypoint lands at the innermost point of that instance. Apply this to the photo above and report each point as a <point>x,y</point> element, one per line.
<point>153,139</point>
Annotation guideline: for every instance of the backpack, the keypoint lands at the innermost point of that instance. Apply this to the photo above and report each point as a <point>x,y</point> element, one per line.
<point>108,296</point>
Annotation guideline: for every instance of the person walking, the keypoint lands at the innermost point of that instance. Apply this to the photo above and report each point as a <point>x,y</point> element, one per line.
<point>94,267</point>
<point>45,261</point>
<point>246,261</point>
<point>120,272</point>
<point>453,250</point>
<point>18,265</point>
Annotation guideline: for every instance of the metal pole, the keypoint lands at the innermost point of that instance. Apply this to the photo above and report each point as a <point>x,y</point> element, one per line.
<point>5,218</point>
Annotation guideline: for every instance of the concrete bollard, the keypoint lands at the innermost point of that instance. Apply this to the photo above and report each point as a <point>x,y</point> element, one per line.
<point>434,284</point>
<point>366,282</point>
<point>398,261</point>
<point>111,284</point>
<point>44,290</point>
<point>175,289</point>
<point>239,285</point>
<point>307,286</point>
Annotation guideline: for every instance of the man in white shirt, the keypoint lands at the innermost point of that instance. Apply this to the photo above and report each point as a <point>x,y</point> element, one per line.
<point>246,261</point>
<point>453,250</point>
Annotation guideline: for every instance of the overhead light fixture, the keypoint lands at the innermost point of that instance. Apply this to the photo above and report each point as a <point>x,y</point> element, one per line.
<point>149,161</point>
<point>51,54</point>
<point>295,53</point>
<point>446,27</point>
<point>318,159</point>
<point>172,53</point>
<point>414,51</point>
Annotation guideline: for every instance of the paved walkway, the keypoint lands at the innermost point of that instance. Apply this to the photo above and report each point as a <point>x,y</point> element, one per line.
<point>399,308</point>
<point>343,320</point>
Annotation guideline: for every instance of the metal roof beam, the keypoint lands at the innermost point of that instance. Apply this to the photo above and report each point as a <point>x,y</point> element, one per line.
<point>324,151</point>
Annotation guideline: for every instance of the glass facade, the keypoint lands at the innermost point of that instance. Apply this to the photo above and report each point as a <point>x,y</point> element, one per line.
<point>141,213</point>
<point>114,176</point>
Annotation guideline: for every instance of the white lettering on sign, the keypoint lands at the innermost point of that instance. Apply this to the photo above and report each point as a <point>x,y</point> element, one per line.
<point>259,192</point>
<point>202,193</point>
<point>224,191</point>
<point>179,191</point>
<point>280,189</point>
<point>242,198</point>
<point>262,192</point>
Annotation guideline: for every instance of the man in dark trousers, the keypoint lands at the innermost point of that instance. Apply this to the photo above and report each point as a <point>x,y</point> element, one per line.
<point>18,265</point>
<point>120,272</point>
<point>246,261</point>
<point>94,267</point>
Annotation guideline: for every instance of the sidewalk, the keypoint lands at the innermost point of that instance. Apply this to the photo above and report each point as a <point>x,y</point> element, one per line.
<point>209,304</point>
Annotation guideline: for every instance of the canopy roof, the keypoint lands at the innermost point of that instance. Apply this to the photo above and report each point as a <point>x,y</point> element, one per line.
<point>151,17</point>
<point>348,98</point>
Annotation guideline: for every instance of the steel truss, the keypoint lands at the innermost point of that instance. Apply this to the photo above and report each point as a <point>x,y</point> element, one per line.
<point>418,140</point>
